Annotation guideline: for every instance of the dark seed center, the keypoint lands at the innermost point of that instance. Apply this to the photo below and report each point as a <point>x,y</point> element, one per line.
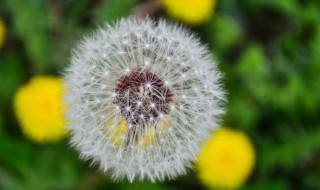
<point>142,96</point>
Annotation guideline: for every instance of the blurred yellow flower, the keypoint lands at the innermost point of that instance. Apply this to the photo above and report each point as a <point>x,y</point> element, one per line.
<point>226,160</point>
<point>192,12</point>
<point>2,32</point>
<point>118,132</point>
<point>39,109</point>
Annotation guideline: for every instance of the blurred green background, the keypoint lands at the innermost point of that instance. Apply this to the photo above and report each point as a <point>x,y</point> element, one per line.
<point>269,52</point>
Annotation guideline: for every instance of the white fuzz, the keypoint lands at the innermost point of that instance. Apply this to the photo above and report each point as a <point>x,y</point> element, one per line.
<point>141,97</point>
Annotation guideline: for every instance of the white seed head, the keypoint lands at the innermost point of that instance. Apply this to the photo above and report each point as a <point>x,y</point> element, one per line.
<point>141,97</point>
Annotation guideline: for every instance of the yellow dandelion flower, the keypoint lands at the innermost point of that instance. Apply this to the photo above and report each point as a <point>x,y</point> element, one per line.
<point>118,132</point>
<point>39,109</point>
<point>226,160</point>
<point>192,12</point>
<point>2,32</point>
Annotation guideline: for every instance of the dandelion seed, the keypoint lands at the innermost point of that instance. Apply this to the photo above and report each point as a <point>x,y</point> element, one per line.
<point>144,134</point>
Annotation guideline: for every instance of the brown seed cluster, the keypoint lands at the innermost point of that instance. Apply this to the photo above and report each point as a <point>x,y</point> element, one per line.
<point>142,96</point>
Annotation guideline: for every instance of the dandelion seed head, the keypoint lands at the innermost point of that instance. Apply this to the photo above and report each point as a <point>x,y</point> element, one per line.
<point>130,99</point>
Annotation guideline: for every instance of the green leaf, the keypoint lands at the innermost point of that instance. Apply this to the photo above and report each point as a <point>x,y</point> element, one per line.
<point>114,9</point>
<point>226,32</point>
<point>30,24</point>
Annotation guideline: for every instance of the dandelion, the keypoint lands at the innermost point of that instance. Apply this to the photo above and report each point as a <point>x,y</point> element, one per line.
<point>192,12</point>
<point>38,107</point>
<point>2,32</point>
<point>141,96</point>
<point>226,160</point>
